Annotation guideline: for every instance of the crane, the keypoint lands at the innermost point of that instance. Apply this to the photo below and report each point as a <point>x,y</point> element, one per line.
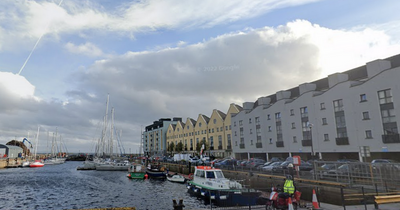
<point>25,139</point>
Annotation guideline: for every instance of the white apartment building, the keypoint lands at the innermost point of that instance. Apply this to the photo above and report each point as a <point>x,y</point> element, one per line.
<point>351,115</point>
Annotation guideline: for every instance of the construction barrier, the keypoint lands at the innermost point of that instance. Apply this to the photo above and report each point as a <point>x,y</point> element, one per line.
<point>387,199</point>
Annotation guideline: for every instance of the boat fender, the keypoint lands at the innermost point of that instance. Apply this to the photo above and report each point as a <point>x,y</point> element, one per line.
<point>190,176</point>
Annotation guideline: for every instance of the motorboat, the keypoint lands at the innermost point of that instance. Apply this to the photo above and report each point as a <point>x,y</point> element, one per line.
<point>36,164</point>
<point>136,171</point>
<point>176,178</point>
<point>211,184</point>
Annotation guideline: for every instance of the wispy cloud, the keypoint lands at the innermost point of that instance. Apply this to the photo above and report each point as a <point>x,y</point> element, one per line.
<point>87,49</point>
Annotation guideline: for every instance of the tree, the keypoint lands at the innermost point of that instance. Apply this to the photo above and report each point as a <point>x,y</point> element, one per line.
<point>171,147</point>
<point>179,147</point>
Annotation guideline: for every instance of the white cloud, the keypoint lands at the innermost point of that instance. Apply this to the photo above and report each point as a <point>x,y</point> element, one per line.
<point>46,17</point>
<point>88,49</point>
<point>16,86</point>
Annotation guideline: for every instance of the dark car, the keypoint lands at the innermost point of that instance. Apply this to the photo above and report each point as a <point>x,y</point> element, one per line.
<point>282,167</point>
<point>255,162</point>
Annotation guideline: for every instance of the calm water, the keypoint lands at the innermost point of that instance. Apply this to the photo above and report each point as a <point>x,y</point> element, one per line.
<point>64,187</point>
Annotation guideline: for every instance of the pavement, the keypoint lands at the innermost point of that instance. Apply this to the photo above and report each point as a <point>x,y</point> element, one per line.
<point>388,206</point>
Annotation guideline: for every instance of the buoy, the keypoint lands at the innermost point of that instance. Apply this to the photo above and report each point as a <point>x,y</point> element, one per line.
<point>314,200</point>
<point>146,176</point>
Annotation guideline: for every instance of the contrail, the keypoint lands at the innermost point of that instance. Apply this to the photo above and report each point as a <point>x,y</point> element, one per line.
<point>37,42</point>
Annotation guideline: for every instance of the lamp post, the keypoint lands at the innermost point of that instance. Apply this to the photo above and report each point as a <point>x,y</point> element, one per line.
<point>312,147</point>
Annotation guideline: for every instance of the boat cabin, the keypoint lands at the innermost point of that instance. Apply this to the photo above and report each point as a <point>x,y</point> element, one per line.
<point>208,172</point>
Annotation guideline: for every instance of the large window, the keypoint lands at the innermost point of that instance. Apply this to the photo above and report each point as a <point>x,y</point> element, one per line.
<point>278,116</point>
<point>340,122</point>
<point>385,96</point>
<point>388,115</point>
<point>338,105</point>
<point>304,112</point>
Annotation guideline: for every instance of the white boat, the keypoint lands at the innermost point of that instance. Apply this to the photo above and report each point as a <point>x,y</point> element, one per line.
<point>211,184</point>
<point>36,164</point>
<point>176,178</point>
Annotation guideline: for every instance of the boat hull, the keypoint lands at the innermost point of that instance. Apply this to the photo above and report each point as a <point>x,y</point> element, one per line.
<point>156,174</point>
<point>225,198</point>
<point>136,175</point>
<point>36,165</point>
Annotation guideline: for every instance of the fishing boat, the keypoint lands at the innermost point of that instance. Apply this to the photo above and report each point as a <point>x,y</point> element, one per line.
<point>136,171</point>
<point>176,178</point>
<point>156,171</point>
<point>211,184</point>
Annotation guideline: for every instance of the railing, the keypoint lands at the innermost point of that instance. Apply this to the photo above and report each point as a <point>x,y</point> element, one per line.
<point>388,139</point>
<point>280,144</point>
<point>306,142</point>
<point>342,141</point>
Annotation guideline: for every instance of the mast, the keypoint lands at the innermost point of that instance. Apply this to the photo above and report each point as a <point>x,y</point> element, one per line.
<point>111,134</point>
<point>104,129</point>
<point>37,141</point>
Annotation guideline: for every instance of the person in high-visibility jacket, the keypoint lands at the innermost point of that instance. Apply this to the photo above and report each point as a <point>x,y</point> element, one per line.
<point>289,187</point>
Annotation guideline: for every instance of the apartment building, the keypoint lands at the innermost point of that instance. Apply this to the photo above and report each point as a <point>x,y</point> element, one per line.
<point>154,136</point>
<point>352,114</point>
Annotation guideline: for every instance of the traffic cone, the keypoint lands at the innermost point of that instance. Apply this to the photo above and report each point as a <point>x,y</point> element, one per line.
<point>290,204</point>
<point>314,200</point>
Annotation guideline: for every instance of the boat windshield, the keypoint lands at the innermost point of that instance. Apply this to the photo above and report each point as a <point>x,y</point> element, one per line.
<point>210,174</point>
<point>219,175</point>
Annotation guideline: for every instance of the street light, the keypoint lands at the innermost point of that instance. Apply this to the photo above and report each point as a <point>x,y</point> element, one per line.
<point>310,125</point>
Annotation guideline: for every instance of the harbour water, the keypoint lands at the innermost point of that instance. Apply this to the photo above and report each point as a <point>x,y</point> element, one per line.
<point>64,187</point>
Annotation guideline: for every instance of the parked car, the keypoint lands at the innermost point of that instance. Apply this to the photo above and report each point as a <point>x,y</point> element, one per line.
<point>269,167</point>
<point>253,163</point>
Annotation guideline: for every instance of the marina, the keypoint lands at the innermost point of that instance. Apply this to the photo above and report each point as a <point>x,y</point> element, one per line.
<point>64,187</point>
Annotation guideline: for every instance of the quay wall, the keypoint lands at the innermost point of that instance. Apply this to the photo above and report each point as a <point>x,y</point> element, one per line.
<point>10,162</point>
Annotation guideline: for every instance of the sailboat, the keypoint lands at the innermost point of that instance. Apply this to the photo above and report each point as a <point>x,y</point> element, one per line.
<point>55,158</point>
<point>36,163</point>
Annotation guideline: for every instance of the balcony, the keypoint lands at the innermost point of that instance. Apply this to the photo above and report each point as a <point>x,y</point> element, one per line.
<point>212,148</point>
<point>229,147</point>
<point>389,139</point>
<point>220,147</point>
<point>279,144</point>
<point>241,146</point>
<point>306,142</point>
<point>258,145</point>
<point>191,148</point>
<point>342,141</point>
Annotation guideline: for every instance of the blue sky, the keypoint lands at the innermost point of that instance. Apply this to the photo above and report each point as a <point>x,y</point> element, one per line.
<point>154,58</point>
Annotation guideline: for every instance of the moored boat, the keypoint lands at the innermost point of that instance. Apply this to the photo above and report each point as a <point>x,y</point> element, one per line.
<point>136,171</point>
<point>211,184</point>
<point>156,171</point>
<point>36,164</point>
<point>176,178</point>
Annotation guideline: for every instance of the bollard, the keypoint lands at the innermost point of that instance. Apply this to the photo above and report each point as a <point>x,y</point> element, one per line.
<point>178,206</point>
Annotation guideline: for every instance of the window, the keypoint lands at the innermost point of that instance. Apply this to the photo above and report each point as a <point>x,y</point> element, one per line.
<point>304,112</point>
<point>240,122</point>
<point>228,137</point>
<point>292,112</point>
<point>324,122</point>
<point>215,121</point>
<point>226,127</point>
<point>363,97</point>
<point>365,115</point>
<point>257,120</point>
<point>235,133</point>
<point>340,122</point>
<point>268,117</point>
<point>326,137</point>
<point>249,120</point>
<point>338,105</point>
<point>293,125</point>
<point>304,126</point>
<point>388,116</point>
<point>269,129</point>
<point>235,143</point>
<point>368,134</point>
<point>200,125</point>
<point>294,139</point>
<point>251,131</point>
<point>258,131</point>
<point>270,141</point>
<point>385,96</point>
<point>278,116</point>
<point>322,106</point>
<point>217,129</point>
<point>241,131</point>
<point>251,142</point>
<point>221,128</point>
<point>234,124</point>
<point>220,140</point>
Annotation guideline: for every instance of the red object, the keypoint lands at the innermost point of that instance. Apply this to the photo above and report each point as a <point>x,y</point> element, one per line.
<point>314,200</point>
<point>290,204</point>
<point>296,160</point>
<point>146,176</point>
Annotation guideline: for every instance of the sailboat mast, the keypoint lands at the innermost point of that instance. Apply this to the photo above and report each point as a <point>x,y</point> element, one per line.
<point>105,127</point>
<point>37,141</point>
<point>112,131</point>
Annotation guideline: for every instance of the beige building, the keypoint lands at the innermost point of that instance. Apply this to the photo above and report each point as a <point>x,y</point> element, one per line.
<point>215,131</point>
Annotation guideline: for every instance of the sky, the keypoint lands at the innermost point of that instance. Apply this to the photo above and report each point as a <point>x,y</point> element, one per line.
<point>61,59</point>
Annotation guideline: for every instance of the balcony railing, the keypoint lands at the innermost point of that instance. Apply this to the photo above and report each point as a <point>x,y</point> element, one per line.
<point>212,148</point>
<point>342,141</point>
<point>229,147</point>
<point>241,146</point>
<point>220,147</point>
<point>306,143</point>
<point>279,144</point>
<point>388,139</point>
<point>258,145</point>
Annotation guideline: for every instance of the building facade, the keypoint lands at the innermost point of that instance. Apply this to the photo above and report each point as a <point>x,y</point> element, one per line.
<point>154,137</point>
<point>350,115</point>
